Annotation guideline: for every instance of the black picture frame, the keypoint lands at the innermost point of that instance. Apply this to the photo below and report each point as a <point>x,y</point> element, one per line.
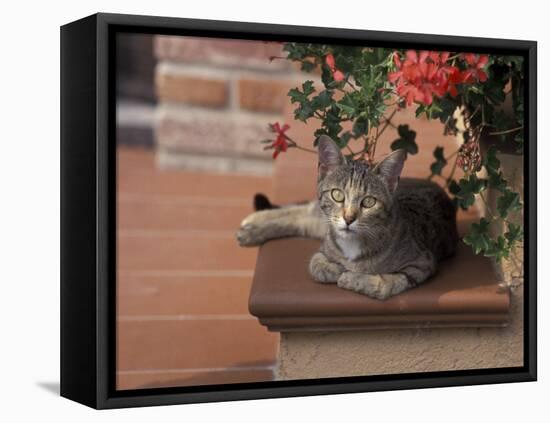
<point>88,240</point>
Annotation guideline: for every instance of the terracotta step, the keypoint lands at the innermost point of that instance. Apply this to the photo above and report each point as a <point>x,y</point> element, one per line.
<point>177,344</point>
<point>140,380</point>
<point>182,295</point>
<point>463,293</point>
<point>176,250</point>
<point>144,213</point>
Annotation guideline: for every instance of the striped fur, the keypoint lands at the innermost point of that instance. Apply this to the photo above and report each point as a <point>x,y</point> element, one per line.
<point>380,235</point>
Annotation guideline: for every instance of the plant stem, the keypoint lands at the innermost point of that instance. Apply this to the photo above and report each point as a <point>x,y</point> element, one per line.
<point>294,144</point>
<point>487,208</point>
<point>453,154</point>
<point>387,123</point>
<point>272,58</point>
<point>350,150</point>
<point>451,175</point>
<point>473,114</point>
<point>374,143</point>
<point>351,85</point>
<point>309,150</point>
<point>506,131</point>
<point>366,147</point>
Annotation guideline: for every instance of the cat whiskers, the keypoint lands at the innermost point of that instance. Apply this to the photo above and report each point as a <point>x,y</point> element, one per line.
<point>367,231</point>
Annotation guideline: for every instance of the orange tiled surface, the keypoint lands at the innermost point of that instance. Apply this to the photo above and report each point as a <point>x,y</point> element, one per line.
<point>183,282</point>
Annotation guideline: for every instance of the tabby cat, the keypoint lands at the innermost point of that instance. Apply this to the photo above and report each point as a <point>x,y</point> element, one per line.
<point>380,235</point>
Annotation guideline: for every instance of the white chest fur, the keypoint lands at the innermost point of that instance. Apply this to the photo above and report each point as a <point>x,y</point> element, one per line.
<point>350,246</point>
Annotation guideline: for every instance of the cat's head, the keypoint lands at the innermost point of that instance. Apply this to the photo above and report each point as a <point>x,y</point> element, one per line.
<point>356,198</point>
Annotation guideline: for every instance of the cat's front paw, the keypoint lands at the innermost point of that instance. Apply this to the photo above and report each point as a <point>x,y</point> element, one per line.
<point>374,286</point>
<point>323,270</point>
<point>249,236</point>
<point>371,285</point>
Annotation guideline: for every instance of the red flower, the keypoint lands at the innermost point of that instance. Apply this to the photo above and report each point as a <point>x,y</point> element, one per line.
<point>280,143</point>
<point>338,75</point>
<point>454,77</point>
<point>475,71</point>
<point>329,60</point>
<point>422,75</point>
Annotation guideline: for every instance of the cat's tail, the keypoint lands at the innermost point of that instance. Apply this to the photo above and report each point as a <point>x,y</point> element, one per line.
<point>261,202</point>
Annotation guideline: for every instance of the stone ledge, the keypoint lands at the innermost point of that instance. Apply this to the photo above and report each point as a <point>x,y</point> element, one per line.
<point>464,293</point>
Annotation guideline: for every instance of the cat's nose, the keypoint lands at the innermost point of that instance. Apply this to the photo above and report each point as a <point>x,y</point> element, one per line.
<point>349,219</point>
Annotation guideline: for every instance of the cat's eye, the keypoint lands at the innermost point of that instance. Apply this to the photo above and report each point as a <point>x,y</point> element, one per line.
<point>368,202</point>
<point>337,195</point>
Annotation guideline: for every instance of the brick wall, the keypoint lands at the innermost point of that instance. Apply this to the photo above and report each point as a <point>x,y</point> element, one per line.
<point>135,89</point>
<point>215,100</point>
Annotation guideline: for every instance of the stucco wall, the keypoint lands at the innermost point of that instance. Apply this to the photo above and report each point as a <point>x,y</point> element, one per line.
<point>354,353</point>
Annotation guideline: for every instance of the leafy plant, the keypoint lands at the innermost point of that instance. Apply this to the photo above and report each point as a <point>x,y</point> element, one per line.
<point>363,88</point>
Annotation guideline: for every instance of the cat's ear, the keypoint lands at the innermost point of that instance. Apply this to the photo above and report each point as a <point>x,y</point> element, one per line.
<point>330,156</point>
<point>390,168</point>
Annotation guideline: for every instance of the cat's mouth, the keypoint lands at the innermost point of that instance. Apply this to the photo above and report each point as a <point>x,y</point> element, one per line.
<point>346,230</point>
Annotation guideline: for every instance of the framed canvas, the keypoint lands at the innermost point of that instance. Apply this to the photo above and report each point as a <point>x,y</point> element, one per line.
<point>259,211</point>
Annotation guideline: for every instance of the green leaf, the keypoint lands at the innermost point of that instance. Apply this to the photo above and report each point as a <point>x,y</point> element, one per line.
<point>326,76</point>
<point>518,139</point>
<point>514,233</point>
<point>308,88</point>
<point>360,127</point>
<point>490,161</point>
<point>297,96</point>
<point>347,105</point>
<point>331,122</point>
<point>343,140</point>
<point>454,188</point>
<point>508,202</point>
<point>304,112</point>
<point>406,140</point>
<point>496,181</point>
<point>498,249</point>
<point>466,189</point>
<point>440,161</point>
<point>419,110</point>
<point>307,66</point>
<point>322,101</point>
<point>346,109</point>
<point>473,184</point>
<point>492,165</point>
<point>444,111</point>
<point>478,237</point>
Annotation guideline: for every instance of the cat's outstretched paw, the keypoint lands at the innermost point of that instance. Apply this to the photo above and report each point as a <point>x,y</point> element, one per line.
<point>249,236</point>
<point>380,287</point>
<point>260,217</point>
